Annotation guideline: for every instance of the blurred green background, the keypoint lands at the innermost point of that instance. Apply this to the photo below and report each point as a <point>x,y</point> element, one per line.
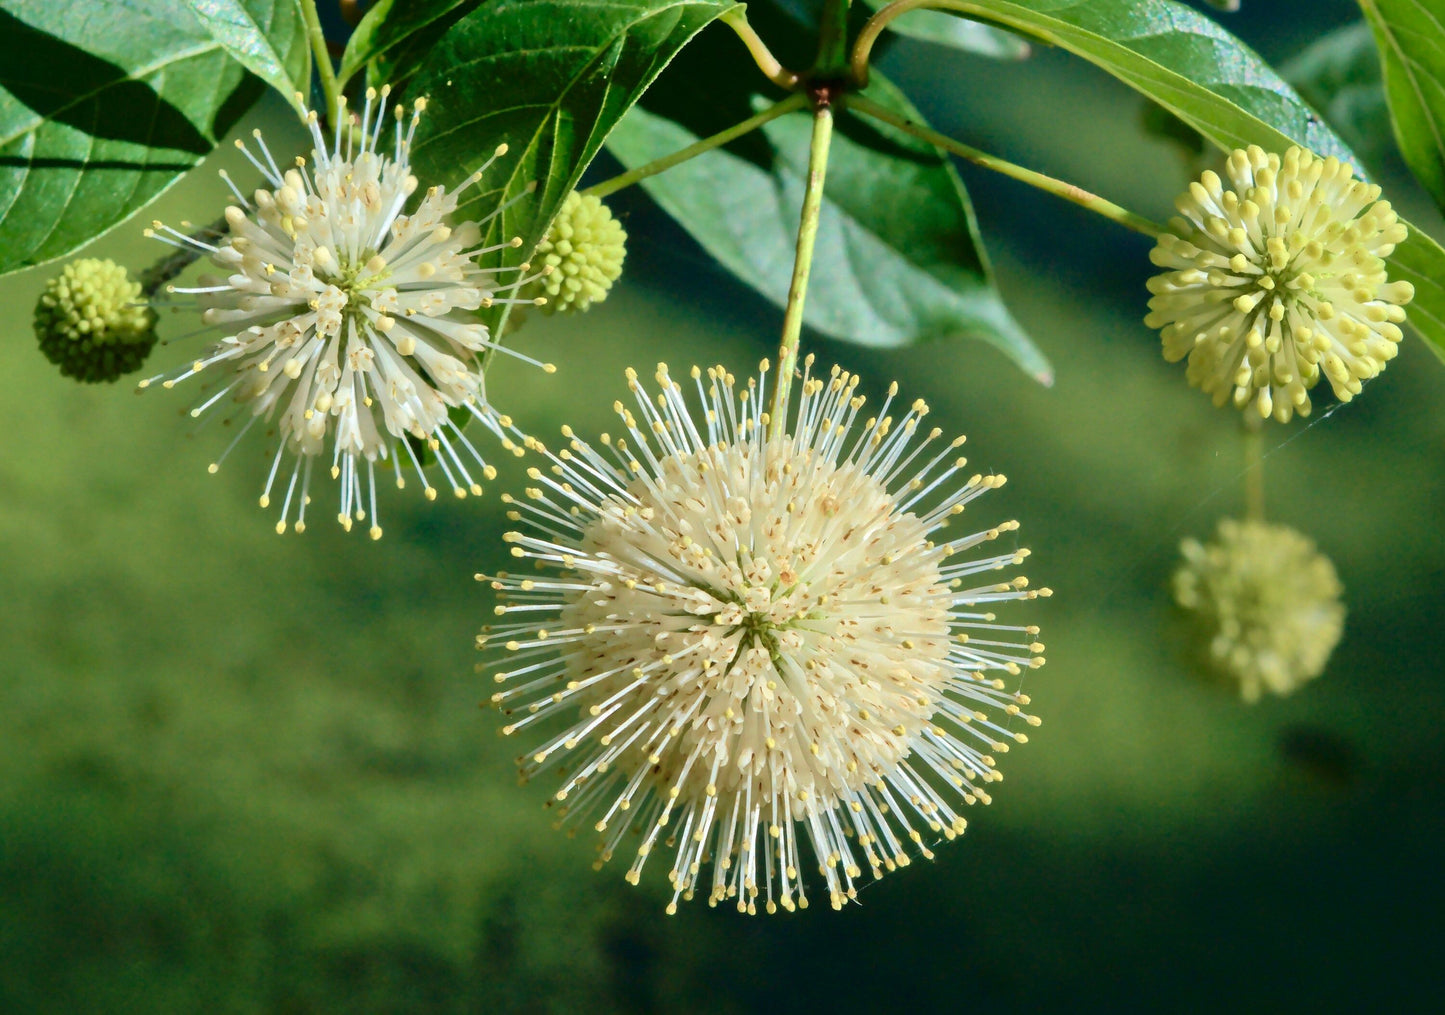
<point>248,773</point>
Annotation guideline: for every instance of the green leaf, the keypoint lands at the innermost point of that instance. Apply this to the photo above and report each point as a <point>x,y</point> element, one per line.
<point>267,37</point>
<point>391,23</point>
<point>1179,58</point>
<point>947,29</point>
<point>1339,75</point>
<point>1411,37</point>
<point>550,78</point>
<point>102,106</point>
<point>898,258</point>
<point>1421,262</point>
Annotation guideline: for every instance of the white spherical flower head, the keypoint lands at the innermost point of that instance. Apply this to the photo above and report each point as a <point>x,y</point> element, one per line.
<point>1270,600</point>
<point>348,320</point>
<point>766,652</point>
<point>1278,280</point>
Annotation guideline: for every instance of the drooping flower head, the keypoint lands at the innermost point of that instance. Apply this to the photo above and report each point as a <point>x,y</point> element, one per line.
<point>1278,280</point>
<point>765,652</point>
<point>92,321</point>
<point>349,320</point>
<point>585,246</point>
<point>1270,601</point>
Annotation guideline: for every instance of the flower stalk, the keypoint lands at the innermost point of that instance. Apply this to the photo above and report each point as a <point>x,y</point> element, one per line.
<point>803,261</point>
<point>317,38</point>
<point>1253,468</point>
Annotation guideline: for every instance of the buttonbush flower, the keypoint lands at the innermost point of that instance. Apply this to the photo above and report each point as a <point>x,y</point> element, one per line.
<point>350,320</point>
<point>92,322</point>
<point>1278,280</point>
<point>585,247</point>
<point>1270,601</point>
<point>763,651</point>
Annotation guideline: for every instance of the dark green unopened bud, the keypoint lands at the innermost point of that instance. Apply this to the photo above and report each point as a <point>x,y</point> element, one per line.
<point>91,323</point>
<point>584,250</point>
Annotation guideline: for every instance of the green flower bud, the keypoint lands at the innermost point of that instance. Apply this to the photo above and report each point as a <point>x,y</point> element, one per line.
<point>1270,601</point>
<point>584,250</point>
<point>91,323</point>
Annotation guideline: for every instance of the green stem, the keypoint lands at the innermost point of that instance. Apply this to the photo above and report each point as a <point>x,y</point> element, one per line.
<point>1254,468</point>
<point>833,39</point>
<point>795,101</point>
<point>863,46</point>
<point>802,266</point>
<point>323,60</point>
<point>1059,188</point>
<point>772,68</point>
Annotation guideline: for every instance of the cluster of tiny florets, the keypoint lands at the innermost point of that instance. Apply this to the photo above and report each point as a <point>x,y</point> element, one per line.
<point>584,247</point>
<point>764,651</point>
<point>1278,281</point>
<point>351,320</point>
<point>1269,600</point>
<point>92,322</point>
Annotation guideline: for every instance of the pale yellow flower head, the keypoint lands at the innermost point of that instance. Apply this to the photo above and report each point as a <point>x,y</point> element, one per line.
<point>92,321</point>
<point>1276,278</point>
<point>346,303</point>
<point>582,253</point>
<point>1270,601</point>
<point>770,657</point>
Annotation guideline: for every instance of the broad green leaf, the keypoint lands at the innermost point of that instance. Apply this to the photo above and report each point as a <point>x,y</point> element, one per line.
<point>102,106</point>
<point>1339,75</point>
<point>898,259</point>
<point>1411,37</point>
<point>549,78</point>
<point>947,29</point>
<point>1421,262</point>
<point>390,24</point>
<point>1179,58</point>
<point>267,37</point>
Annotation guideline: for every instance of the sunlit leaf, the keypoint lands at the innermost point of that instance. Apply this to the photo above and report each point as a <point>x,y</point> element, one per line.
<point>1411,37</point>
<point>267,37</point>
<point>391,25</point>
<point>102,106</point>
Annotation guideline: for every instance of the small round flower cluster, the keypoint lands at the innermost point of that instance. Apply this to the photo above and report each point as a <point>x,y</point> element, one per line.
<point>350,319</point>
<point>584,247</point>
<point>1278,280</point>
<point>92,322</point>
<point>763,645</point>
<point>1270,600</point>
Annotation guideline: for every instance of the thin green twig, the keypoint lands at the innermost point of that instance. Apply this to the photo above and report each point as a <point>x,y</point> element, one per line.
<point>772,68</point>
<point>1059,188</point>
<point>793,102</point>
